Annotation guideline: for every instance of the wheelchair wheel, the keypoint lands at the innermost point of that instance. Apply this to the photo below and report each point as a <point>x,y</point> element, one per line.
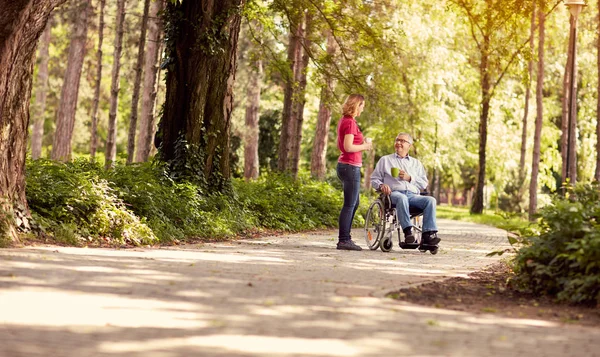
<point>375,225</point>
<point>386,244</point>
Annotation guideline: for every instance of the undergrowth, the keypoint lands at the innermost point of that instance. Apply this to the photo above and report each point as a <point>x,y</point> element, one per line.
<point>563,260</point>
<point>80,203</point>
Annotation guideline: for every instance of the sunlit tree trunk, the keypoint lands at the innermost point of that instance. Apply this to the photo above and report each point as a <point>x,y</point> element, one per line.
<point>37,133</point>
<point>318,159</point>
<point>19,36</point>
<point>147,125</point>
<point>289,105</point>
<point>527,96</point>
<point>478,200</point>
<point>539,95</point>
<point>572,125</point>
<point>597,173</point>
<point>136,85</point>
<point>296,137</point>
<point>65,120</point>
<point>111,139</point>
<point>199,97</point>
<point>94,129</point>
<point>252,110</point>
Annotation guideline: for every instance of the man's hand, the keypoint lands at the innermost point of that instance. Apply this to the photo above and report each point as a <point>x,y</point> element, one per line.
<point>385,189</point>
<point>404,176</point>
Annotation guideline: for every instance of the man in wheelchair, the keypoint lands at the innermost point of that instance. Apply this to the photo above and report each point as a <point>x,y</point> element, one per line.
<point>403,178</point>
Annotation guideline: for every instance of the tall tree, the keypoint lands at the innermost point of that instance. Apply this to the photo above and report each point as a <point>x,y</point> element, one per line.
<point>21,25</point>
<point>251,119</point>
<point>495,29</point>
<point>202,39</point>
<point>527,97</point>
<point>147,116</point>
<point>136,85</point>
<point>111,139</point>
<point>300,99</point>
<point>570,124</point>
<point>539,95</point>
<point>37,133</point>
<point>294,54</point>
<point>597,173</point>
<point>65,120</point>
<point>94,129</point>
<point>318,163</point>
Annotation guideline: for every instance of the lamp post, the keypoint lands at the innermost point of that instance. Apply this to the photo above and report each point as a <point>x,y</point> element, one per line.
<point>575,7</point>
<point>437,86</point>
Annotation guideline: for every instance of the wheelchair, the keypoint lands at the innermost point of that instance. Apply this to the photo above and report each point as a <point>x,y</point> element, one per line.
<point>382,223</point>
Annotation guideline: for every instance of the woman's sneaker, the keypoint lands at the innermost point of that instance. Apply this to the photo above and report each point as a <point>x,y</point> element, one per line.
<point>431,238</point>
<point>347,245</point>
<point>408,235</point>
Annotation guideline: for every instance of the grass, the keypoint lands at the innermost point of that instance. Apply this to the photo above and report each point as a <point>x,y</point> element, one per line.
<point>502,220</point>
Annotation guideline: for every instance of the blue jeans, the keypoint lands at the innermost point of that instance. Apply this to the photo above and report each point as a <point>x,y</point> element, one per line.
<point>402,200</point>
<point>350,177</point>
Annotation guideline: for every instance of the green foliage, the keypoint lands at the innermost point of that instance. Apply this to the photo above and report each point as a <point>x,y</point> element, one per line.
<point>5,221</point>
<point>280,202</point>
<point>80,203</point>
<point>77,204</point>
<point>513,198</point>
<point>268,139</point>
<point>564,260</point>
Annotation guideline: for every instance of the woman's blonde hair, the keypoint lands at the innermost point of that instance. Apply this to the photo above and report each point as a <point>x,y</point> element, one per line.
<point>352,104</point>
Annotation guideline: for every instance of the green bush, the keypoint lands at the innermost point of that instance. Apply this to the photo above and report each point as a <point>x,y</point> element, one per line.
<point>80,202</point>
<point>278,201</point>
<point>564,260</point>
<point>75,203</point>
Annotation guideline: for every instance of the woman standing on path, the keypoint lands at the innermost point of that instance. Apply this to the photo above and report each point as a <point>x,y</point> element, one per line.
<point>351,143</point>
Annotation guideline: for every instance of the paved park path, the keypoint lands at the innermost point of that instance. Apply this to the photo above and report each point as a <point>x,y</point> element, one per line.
<point>292,295</point>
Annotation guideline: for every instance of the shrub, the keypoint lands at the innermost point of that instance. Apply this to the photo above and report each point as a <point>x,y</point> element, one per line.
<point>138,204</point>
<point>564,260</point>
<point>76,204</point>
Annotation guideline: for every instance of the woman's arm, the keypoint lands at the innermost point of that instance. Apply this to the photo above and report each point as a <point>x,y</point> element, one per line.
<point>350,147</point>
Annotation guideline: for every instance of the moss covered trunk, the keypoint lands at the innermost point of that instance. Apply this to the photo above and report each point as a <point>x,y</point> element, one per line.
<point>202,44</point>
<point>21,25</point>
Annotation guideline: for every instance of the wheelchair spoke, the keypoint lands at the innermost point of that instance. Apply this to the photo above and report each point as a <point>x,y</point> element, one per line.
<point>374,225</point>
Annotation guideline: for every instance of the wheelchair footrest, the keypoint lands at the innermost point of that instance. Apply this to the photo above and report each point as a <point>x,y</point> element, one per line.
<point>404,245</point>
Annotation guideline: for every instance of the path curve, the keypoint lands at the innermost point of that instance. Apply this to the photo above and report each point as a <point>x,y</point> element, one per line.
<point>292,295</point>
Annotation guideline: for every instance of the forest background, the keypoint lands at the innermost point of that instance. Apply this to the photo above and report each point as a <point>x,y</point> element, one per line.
<point>420,66</point>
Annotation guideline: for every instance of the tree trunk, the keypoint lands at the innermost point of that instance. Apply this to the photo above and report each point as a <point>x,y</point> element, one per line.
<point>21,25</point>
<point>597,173</point>
<point>65,121</point>
<point>199,97</point>
<point>572,129</point>
<point>111,139</point>
<point>94,130</point>
<point>539,95</point>
<point>369,168</point>
<point>40,97</point>
<point>318,162</point>
<point>527,96</point>
<point>136,86</point>
<point>300,99</point>
<point>147,125</point>
<point>483,124</point>
<point>564,128</point>
<point>252,109</point>
<point>293,54</point>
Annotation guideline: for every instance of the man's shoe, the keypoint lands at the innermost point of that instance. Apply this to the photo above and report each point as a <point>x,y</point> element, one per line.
<point>408,235</point>
<point>347,245</point>
<point>431,238</point>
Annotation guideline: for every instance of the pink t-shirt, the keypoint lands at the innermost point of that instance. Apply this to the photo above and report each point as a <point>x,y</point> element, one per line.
<point>347,125</point>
